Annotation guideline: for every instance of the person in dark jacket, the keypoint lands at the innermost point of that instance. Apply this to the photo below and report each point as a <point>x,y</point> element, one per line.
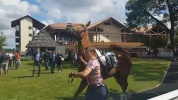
<point>3,63</point>
<point>46,57</point>
<point>53,61</point>
<point>37,62</point>
<point>59,60</point>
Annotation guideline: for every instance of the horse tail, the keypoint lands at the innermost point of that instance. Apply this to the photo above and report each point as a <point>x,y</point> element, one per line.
<point>124,65</point>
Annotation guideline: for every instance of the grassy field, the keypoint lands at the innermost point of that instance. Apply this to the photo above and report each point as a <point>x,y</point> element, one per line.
<point>19,85</point>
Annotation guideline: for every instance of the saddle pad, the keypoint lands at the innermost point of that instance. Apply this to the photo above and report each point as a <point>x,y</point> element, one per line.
<point>109,60</point>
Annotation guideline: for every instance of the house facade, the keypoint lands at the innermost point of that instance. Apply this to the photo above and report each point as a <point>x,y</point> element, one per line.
<point>25,28</point>
<point>101,33</point>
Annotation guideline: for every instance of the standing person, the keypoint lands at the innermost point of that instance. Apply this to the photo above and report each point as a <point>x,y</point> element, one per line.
<point>13,59</point>
<point>75,59</point>
<point>97,89</point>
<point>17,59</point>
<point>72,58</point>
<point>46,60</point>
<point>10,59</point>
<point>37,62</point>
<point>59,60</point>
<point>53,61</point>
<point>3,63</point>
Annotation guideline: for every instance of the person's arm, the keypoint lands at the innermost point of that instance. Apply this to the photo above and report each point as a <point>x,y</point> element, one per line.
<point>83,61</point>
<point>82,74</point>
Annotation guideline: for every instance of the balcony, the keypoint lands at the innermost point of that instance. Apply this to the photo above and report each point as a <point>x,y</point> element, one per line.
<point>17,33</point>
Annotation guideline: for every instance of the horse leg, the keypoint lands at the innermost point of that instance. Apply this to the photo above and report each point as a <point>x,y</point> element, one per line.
<point>122,81</point>
<point>81,87</point>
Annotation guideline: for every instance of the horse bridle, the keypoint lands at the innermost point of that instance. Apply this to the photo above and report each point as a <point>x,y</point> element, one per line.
<point>71,78</point>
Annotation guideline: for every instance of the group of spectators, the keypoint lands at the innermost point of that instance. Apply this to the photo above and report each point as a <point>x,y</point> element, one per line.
<point>50,59</point>
<point>7,59</point>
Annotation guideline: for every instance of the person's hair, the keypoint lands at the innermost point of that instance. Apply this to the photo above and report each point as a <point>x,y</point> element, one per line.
<point>91,49</point>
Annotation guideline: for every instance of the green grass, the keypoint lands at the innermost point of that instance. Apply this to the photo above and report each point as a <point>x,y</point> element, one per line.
<point>19,85</point>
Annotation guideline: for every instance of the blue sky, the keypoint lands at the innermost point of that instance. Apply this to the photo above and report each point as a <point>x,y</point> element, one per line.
<point>53,11</point>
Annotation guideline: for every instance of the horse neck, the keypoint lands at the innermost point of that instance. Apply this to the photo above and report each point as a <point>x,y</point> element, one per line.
<point>82,46</point>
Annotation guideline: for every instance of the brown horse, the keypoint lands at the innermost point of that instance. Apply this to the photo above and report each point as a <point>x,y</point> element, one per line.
<point>120,73</point>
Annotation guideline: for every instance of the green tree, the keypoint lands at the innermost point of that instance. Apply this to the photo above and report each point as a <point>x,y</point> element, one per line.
<point>143,12</point>
<point>159,41</point>
<point>3,42</point>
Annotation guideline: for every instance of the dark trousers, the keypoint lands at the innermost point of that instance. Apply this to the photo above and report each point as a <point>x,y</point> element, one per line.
<point>36,64</point>
<point>53,66</point>
<point>46,63</point>
<point>10,62</point>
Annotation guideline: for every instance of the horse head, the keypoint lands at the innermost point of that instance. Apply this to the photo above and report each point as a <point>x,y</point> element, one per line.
<point>81,31</point>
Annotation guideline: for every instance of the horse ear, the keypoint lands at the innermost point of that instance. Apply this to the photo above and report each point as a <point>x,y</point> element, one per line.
<point>88,24</point>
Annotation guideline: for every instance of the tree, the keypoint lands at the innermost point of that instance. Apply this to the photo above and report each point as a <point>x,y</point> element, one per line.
<point>143,12</point>
<point>159,41</point>
<point>3,42</point>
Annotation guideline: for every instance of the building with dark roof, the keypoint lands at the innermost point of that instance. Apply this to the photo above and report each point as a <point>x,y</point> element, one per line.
<point>25,28</point>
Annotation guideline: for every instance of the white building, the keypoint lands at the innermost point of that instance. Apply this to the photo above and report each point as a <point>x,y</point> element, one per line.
<point>25,28</point>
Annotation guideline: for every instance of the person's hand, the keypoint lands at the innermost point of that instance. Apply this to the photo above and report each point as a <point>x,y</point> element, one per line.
<point>71,74</point>
<point>80,58</point>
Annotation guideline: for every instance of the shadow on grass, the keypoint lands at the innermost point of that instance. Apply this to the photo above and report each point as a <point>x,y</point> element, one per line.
<point>23,77</point>
<point>150,72</point>
<point>69,98</point>
<point>115,95</point>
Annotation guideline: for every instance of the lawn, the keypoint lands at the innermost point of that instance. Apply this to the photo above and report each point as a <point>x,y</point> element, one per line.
<point>19,85</point>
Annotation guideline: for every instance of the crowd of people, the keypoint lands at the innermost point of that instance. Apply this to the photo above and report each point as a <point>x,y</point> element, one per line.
<point>7,60</point>
<point>96,86</point>
<point>52,59</point>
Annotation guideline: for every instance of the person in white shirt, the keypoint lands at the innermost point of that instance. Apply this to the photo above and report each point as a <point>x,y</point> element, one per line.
<point>10,59</point>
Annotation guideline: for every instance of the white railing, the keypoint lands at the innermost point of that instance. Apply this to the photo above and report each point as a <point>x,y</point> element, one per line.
<point>173,95</point>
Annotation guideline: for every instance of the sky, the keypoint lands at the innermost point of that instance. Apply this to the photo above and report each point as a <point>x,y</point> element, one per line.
<point>53,11</point>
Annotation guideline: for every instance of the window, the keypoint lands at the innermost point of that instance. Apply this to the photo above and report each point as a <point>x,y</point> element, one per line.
<point>30,35</point>
<point>30,27</point>
<point>107,23</point>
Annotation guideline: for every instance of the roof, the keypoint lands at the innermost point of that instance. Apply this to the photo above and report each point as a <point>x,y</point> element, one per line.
<point>36,23</point>
<point>105,20</point>
<point>149,30</point>
<point>61,25</point>
<point>142,29</point>
<point>42,39</point>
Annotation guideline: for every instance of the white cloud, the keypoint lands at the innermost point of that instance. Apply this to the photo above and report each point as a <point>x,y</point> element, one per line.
<point>47,22</point>
<point>85,10</point>
<point>33,9</point>
<point>54,14</point>
<point>12,10</point>
<point>54,10</point>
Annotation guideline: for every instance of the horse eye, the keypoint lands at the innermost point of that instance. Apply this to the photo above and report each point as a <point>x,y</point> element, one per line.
<point>82,25</point>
